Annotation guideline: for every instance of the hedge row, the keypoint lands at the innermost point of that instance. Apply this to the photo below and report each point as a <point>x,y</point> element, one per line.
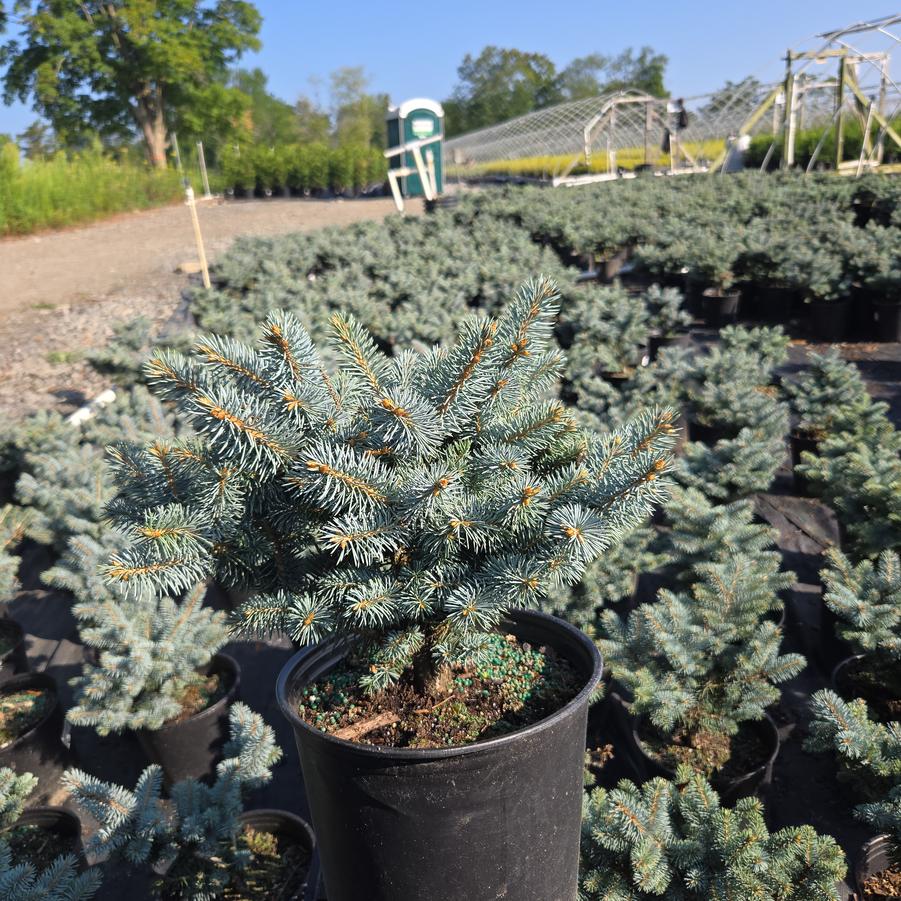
<point>302,168</point>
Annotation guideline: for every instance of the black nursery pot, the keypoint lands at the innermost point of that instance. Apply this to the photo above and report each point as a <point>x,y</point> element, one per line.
<point>730,788</point>
<point>61,822</point>
<point>799,442</point>
<point>877,854</point>
<point>828,320</point>
<point>611,267</point>
<point>494,819</point>
<point>887,320</point>
<point>191,748</point>
<point>708,434</point>
<point>40,750</point>
<point>719,308</point>
<point>657,342</point>
<point>773,303</point>
<point>13,662</point>
<point>290,829</point>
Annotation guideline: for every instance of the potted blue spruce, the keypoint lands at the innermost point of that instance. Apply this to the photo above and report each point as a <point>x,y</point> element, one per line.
<point>395,516</point>
<point>155,667</point>
<point>12,637</point>
<point>40,848</point>
<point>201,843</point>
<point>673,839</point>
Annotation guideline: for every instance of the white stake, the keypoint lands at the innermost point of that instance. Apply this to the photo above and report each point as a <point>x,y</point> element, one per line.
<point>198,237</point>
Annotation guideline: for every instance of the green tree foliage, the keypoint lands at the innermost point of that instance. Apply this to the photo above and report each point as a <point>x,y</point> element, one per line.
<point>500,83</point>
<point>830,395</point>
<point>723,99</point>
<point>702,531</point>
<point>13,522</point>
<point>63,880</point>
<point>608,580</point>
<point>120,68</point>
<point>868,752</point>
<point>195,842</point>
<point>674,840</point>
<point>358,116</point>
<point>697,664</point>
<point>859,475</point>
<point>867,599</point>
<point>313,122</point>
<point>409,500</point>
<point>272,120</point>
<point>150,650</point>
<point>37,141</point>
<point>497,85</point>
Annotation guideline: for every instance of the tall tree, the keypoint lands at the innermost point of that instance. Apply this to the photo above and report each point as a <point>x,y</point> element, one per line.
<point>37,141</point>
<point>313,122</point>
<point>584,77</point>
<point>641,71</point>
<point>722,98</point>
<point>595,74</point>
<point>273,120</point>
<point>499,84</point>
<point>359,117</point>
<point>123,65</point>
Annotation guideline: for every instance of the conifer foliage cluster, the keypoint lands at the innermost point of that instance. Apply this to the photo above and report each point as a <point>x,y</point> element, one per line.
<point>410,500</point>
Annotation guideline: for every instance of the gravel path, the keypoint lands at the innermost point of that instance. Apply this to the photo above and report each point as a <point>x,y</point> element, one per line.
<point>62,292</point>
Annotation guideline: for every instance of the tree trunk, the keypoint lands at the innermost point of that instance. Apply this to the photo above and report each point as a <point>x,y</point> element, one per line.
<point>148,113</point>
<point>430,680</point>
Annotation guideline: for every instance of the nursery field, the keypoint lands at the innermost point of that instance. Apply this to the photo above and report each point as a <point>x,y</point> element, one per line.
<point>678,433</point>
<point>63,292</point>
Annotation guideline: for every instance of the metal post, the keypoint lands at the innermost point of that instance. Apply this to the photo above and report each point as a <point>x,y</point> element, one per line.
<point>840,121</point>
<point>177,153</point>
<point>865,141</point>
<point>203,175</point>
<point>788,155</point>
<point>198,237</point>
<point>883,90</point>
<point>648,121</point>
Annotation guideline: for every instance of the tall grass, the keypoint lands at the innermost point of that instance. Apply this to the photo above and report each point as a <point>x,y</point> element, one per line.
<point>66,191</point>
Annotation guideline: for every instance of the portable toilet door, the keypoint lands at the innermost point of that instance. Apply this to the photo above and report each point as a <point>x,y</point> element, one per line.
<point>416,120</point>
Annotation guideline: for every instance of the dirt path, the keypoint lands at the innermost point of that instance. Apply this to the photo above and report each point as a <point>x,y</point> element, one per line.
<point>62,292</point>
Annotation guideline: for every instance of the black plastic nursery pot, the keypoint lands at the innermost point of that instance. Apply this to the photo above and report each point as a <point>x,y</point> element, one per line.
<point>887,320</point>
<point>611,266</point>
<point>730,788</point>
<point>708,434</point>
<point>657,342</point>
<point>14,661</point>
<point>773,303</point>
<point>60,822</point>
<point>828,320</point>
<point>494,819</point>
<point>40,750</point>
<point>289,829</point>
<point>877,854</point>
<point>800,441</point>
<point>719,308</point>
<point>191,748</point>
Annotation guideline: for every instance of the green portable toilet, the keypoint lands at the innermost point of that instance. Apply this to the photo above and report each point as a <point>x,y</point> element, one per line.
<point>416,120</point>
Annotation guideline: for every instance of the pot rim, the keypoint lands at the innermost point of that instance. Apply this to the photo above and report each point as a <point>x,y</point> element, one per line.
<point>14,626</point>
<point>377,752</point>
<point>19,682</point>
<point>278,813</point>
<point>215,708</point>
<point>62,814</point>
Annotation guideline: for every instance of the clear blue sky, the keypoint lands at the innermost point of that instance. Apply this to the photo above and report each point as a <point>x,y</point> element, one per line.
<point>706,42</point>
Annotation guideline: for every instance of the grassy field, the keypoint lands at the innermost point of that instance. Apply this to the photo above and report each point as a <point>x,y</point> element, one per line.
<point>549,166</point>
<point>67,191</point>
